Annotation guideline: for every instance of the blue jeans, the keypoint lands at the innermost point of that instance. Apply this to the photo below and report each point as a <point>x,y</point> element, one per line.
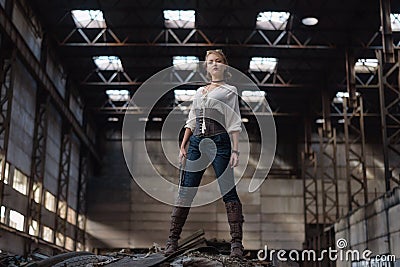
<point>218,149</point>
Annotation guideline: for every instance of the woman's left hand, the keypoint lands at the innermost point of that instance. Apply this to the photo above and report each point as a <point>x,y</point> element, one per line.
<point>234,161</point>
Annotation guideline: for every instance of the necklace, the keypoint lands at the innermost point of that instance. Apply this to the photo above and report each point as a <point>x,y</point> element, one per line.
<point>208,88</point>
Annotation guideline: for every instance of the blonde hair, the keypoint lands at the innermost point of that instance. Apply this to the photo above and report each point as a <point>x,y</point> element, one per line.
<point>218,52</point>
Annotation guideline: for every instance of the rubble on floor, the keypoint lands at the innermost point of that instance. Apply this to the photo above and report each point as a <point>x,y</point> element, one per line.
<point>194,250</point>
<point>196,258</point>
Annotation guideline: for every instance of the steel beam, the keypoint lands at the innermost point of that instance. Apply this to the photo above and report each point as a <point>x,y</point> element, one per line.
<point>387,37</point>
<point>40,75</point>
<point>367,81</point>
<point>274,80</point>
<point>310,194</point>
<point>192,38</point>
<point>38,169</point>
<point>310,185</point>
<point>259,84</point>
<point>389,95</point>
<point>80,225</point>
<point>7,65</point>
<point>63,182</point>
<point>97,77</point>
<point>278,39</point>
<point>121,78</point>
<point>354,139</point>
<point>356,172</point>
<point>350,76</point>
<point>36,192</point>
<point>125,110</point>
<point>326,112</point>
<point>327,166</point>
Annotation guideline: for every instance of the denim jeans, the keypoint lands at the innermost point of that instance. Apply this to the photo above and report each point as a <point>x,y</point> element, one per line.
<point>217,149</point>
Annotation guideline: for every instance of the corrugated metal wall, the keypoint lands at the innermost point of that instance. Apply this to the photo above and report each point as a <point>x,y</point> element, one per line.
<point>56,73</point>
<point>19,152</point>
<point>15,208</point>
<point>21,136</point>
<point>29,28</point>
<point>375,227</point>
<point>53,151</point>
<point>76,107</point>
<point>22,119</point>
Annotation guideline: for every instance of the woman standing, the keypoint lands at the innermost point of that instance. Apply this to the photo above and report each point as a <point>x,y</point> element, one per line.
<point>214,115</point>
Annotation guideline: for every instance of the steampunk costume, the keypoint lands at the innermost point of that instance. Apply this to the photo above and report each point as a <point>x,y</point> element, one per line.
<point>213,115</point>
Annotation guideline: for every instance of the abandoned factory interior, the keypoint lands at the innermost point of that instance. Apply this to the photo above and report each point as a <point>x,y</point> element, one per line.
<point>200,133</point>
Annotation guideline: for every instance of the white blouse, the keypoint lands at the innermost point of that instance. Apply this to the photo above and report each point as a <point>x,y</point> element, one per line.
<point>224,98</point>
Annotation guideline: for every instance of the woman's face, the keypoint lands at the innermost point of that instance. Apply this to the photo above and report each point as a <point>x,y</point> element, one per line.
<point>215,65</point>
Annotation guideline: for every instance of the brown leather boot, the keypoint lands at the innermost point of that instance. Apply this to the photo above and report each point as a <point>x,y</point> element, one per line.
<point>235,220</point>
<point>178,218</point>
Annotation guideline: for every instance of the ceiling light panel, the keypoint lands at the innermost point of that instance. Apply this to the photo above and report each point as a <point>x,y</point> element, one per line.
<point>272,20</point>
<point>263,64</point>
<point>179,18</point>
<point>108,63</point>
<point>88,19</point>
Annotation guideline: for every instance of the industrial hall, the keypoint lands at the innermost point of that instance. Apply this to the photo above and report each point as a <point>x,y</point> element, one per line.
<point>200,133</point>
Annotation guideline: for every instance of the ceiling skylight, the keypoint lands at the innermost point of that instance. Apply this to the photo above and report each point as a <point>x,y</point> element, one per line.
<point>179,18</point>
<point>108,63</point>
<point>118,95</point>
<point>184,95</point>
<point>263,64</point>
<point>88,18</point>
<point>366,65</point>
<point>338,99</point>
<point>253,96</point>
<point>185,62</point>
<point>271,20</point>
<point>395,21</point>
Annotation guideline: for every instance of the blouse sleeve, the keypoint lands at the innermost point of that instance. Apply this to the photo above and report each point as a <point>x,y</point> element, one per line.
<point>191,120</point>
<point>233,120</point>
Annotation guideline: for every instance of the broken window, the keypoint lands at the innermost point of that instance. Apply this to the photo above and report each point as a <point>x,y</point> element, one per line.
<point>17,220</point>
<point>20,182</point>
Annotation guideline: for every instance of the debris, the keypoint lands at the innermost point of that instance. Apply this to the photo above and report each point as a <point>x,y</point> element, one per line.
<point>184,242</point>
<point>195,261</point>
<point>194,250</point>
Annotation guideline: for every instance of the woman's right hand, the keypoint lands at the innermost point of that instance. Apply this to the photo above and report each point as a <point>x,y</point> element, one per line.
<point>182,153</point>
